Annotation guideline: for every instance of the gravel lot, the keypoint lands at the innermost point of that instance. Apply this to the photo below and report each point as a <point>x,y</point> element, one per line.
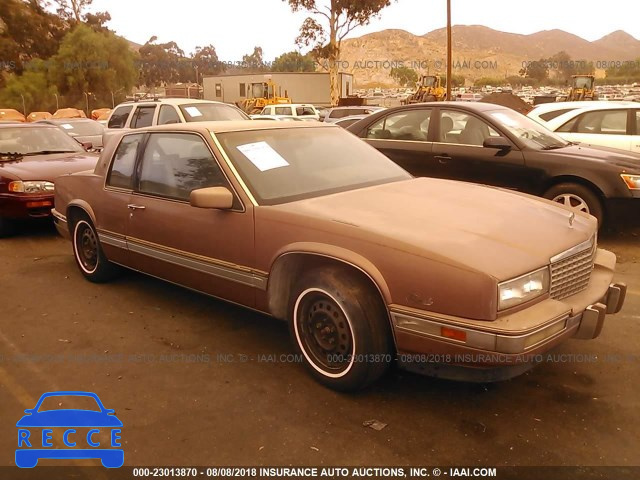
<point>197,381</point>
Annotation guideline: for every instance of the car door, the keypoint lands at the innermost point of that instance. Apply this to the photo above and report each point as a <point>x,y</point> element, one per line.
<point>609,128</point>
<point>403,136</point>
<point>112,214</point>
<point>205,249</point>
<point>459,150</point>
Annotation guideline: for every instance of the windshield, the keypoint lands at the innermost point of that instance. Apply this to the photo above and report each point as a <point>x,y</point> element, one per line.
<point>428,81</point>
<point>69,402</point>
<point>529,132</point>
<point>583,82</point>
<point>204,112</point>
<point>282,165</point>
<point>32,140</point>
<point>82,129</point>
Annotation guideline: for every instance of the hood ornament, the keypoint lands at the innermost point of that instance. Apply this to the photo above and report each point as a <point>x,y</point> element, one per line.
<point>572,217</point>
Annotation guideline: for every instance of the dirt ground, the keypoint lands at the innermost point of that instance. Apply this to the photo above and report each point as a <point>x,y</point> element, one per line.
<point>197,381</point>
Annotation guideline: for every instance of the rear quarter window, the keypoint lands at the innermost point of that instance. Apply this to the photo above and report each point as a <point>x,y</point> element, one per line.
<point>122,168</point>
<point>119,117</point>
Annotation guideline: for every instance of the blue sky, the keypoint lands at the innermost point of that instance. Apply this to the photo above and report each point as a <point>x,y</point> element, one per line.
<point>235,27</point>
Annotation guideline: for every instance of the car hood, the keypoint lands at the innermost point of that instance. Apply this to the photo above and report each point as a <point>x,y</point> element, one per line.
<point>48,167</point>
<point>69,418</point>
<point>490,230</point>
<point>625,161</point>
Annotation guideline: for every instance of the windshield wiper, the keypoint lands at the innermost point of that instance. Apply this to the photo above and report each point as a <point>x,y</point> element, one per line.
<point>554,147</point>
<point>50,152</point>
<point>10,156</point>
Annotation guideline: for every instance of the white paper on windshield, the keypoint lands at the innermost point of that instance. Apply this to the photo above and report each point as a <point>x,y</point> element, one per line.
<point>263,156</point>
<point>193,111</point>
<point>66,126</point>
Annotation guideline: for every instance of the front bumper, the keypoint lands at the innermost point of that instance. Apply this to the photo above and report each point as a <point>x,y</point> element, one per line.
<point>464,349</point>
<point>18,207</point>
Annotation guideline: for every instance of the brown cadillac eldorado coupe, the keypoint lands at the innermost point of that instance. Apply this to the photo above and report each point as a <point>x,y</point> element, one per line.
<point>368,265</point>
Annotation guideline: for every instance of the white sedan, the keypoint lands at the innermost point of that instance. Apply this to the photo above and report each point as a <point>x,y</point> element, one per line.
<point>613,125</point>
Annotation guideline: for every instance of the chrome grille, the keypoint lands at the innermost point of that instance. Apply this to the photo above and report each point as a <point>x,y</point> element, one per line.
<point>571,275</point>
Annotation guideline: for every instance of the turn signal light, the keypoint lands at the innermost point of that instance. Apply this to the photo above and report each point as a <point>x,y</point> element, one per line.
<point>44,203</point>
<point>453,334</point>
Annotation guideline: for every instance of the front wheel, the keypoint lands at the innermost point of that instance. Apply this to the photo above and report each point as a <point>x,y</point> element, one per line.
<point>88,253</point>
<point>339,324</point>
<point>577,197</point>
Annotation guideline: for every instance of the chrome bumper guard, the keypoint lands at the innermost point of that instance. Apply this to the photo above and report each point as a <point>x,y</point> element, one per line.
<point>593,316</point>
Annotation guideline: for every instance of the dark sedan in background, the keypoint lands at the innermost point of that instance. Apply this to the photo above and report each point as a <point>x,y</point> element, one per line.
<point>494,145</point>
<point>31,157</point>
<point>83,130</point>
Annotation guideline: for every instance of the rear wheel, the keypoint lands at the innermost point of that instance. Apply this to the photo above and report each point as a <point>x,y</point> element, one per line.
<point>340,326</point>
<point>577,197</point>
<point>88,253</point>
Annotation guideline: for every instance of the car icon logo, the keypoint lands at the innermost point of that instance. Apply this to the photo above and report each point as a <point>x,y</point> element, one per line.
<point>69,433</point>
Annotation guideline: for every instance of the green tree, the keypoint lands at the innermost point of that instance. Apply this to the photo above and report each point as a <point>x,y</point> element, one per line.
<point>328,25</point>
<point>538,70</point>
<point>293,62</point>
<point>27,31</point>
<point>254,60</point>
<point>456,81</point>
<point>207,62</point>
<point>33,85</point>
<point>160,63</point>
<point>627,72</point>
<point>404,76</point>
<point>93,62</point>
<point>493,81</point>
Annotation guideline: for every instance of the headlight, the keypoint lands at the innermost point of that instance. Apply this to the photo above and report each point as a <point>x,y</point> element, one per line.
<point>632,181</point>
<point>31,187</point>
<point>522,289</point>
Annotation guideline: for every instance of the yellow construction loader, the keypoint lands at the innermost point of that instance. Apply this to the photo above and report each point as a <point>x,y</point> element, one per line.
<point>582,88</point>
<point>260,95</point>
<point>429,89</point>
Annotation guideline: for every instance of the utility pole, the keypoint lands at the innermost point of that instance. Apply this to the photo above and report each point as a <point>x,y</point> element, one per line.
<point>449,50</point>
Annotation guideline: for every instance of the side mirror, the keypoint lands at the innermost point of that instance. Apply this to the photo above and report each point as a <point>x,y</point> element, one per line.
<point>500,143</point>
<point>219,198</point>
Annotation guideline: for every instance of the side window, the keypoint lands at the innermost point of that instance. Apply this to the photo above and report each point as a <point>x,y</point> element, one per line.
<point>637,122</point>
<point>119,117</point>
<point>302,111</point>
<point>570,125</point>
<point>143,116</point>
<point>556,113</point>
<point>611,122</point>
<point>406,125</point>
<point>283,111</point>
<point>463,128</point>
<point>174,164</point>
<point>168,115</point>
<point>124,162</point>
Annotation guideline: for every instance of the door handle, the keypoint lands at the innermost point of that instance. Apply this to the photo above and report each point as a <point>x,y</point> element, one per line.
<point>443,158</point>
<point>135,207</point>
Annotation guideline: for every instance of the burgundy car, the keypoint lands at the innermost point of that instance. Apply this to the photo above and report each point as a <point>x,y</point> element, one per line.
<point>31,157</point>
